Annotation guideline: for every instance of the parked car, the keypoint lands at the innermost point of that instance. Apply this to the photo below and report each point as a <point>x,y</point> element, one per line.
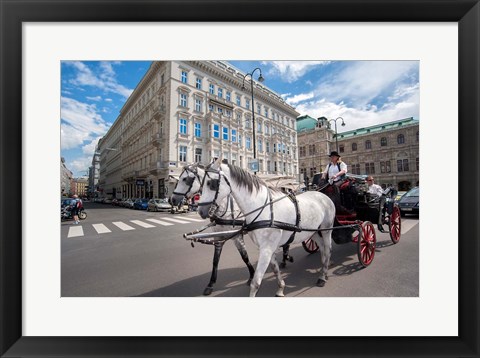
<point>183,208</point>
<point>158,205</point>
<point>116,202</point>
<point>409,203</point>
<point>140,204</point>
<point>128,203</point>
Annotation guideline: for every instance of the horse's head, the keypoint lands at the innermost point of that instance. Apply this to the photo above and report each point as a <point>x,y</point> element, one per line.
<point>188,184</point>
<point>215,188</point>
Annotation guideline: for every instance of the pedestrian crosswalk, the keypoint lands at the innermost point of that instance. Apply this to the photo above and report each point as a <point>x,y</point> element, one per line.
<point>106,228</point>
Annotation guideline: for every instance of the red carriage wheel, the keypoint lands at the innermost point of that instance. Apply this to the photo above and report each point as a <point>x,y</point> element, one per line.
<point>310,246</point>
<point>366,244</point>
<point>395,224</point>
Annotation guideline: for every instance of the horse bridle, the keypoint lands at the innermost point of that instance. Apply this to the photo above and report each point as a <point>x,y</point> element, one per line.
<point>214,185</point>
<point>188,180</point>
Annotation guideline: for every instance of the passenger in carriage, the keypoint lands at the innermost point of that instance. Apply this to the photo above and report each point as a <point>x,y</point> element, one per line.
<point>377,190</point>
<point>374,188</point>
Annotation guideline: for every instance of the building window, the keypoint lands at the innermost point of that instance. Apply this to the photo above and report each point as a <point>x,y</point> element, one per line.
<point>198,105</point>
<point>248,142</point>
<point>311,149</point>
<point>198,155</point>
<point>247,104</point>
<point>183,99</point>
<point>274,147</point>
<point>400,139</point>
<point>184,77</point>
<point>182,153</point>
<point>266,112</point>
<point>267,129</point>
<point>341,148</point>
<point>234,135</point>
<point>402,165</point>
<point>228,113</point>
<point>228,96</point>
<point>267,147</point>
<point>418,163</point>
<point>259,108</point>
<point>368,144</point>
<point>220,110</point>
<point>225,133</point>
<point>260,145</point>
<point>354,147</point>
<point>198,130</point>
<point>383,142</point>
<point>198,83</point>
<point>385,167</point>
<point>240,142</point>
<point>238,101</point>
<point>418,137</point>
<point>211,88</point>
<point>259,127</point>
<point>220,92</point>
<point>183,126</point>
<point>302,151</point>
<point>356,169</point>
<point>216,131</point>
<point>369,168</point>
<point>210,108</point>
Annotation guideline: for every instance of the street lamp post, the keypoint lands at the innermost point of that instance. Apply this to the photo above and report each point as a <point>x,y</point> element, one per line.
<point>336,133</point>
<point>260,79</point>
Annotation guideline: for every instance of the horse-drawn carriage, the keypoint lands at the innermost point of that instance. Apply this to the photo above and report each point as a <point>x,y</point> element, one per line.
<point>357,213</point>
<point>239,203</point>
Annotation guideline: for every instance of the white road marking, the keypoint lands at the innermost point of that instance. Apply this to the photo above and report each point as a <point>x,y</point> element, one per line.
<point>141,223</point>
<point>177,220</point>
<point>192,219</point>
<point>407,225</point>
<point>123,226</point>
<point>101,229</point>
<point>75,231</point>
<point>164,223</point>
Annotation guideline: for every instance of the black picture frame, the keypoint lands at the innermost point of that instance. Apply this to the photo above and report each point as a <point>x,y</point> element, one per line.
<point>14,12</point>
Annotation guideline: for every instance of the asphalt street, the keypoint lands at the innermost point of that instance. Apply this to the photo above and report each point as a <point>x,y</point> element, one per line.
<point>118,252</point>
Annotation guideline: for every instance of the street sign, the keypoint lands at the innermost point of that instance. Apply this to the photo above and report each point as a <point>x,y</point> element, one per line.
<point>253,165</point>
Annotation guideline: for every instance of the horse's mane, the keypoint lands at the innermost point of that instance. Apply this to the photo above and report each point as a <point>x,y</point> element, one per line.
<point>246,179</point>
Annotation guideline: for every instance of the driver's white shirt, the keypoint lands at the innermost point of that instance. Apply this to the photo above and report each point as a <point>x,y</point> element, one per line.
<point>332,169</point>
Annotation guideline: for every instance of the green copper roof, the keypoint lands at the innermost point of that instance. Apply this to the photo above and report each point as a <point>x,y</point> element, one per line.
<point>379,127</point>
<point>305,123</point>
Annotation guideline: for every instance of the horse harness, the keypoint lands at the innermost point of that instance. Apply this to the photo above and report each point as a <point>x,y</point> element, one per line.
<point>214,185</point>
<point>215,218</point>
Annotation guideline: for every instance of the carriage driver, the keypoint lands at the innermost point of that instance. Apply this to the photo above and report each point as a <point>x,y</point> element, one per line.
<point>335,173</point>
<point>336,169</point>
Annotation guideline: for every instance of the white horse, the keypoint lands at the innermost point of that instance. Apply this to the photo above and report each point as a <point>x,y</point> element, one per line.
<point>188,185</point>
<point>271,218</point>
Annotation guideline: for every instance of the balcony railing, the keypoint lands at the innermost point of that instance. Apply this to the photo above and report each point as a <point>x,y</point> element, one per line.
<point>157,139</point>
<point>159,165</point>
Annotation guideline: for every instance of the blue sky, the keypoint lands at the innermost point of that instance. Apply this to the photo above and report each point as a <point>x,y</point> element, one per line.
<point>363,93</point>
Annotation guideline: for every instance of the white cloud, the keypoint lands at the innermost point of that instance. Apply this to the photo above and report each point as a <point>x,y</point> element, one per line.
<point>360,82</point>
<point>108,100</point>
<point>291,71</point>
<point>80,123</point>
<point>79,166</point>
<point>104,79</point>
<point>299,98</point>
<point>96,98</point>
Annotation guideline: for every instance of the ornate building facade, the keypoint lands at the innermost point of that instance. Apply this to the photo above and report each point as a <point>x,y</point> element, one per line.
<point>389,151</point>
<point>193,111</point>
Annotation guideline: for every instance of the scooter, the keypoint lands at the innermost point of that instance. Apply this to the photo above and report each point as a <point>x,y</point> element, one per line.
<point>66,213</point>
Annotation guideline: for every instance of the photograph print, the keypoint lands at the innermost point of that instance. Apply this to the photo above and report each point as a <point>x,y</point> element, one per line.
<point>240,178</point>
